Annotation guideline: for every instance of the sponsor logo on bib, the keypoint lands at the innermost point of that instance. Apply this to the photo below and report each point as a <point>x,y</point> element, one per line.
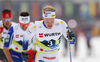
<point>40,35</point>
<point>52,34</point>
<point>17,36</point>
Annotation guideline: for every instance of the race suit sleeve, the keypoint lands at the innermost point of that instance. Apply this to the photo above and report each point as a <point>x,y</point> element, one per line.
<point>28,36</point>
<point>33,42</point>
<point>65,28</point>
<point>8,39</point>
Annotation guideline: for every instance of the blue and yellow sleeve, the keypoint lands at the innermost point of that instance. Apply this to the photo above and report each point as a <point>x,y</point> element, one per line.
<point>65,28</point>
<point>25,45</point>
<point>9,37</point>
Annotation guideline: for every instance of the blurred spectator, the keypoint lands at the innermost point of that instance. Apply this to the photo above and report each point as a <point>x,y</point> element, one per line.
<point>96,28</point>
<point>87,32</point>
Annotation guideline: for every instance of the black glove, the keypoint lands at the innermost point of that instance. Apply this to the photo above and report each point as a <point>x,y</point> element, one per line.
<point>25,56</point>
<point>71,36</point>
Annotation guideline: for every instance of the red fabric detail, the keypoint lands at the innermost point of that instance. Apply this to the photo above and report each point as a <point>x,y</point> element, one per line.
<point>16,48</point>
<point>33,55</point>
<point>44,12</point>
<point>1,29</point>
<point>41,49</point>
<point>30,55</point>
<point>49,58</point>
<point>40,19</point>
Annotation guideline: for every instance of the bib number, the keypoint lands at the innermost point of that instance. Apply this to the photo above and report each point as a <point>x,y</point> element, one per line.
<point>50,43</point>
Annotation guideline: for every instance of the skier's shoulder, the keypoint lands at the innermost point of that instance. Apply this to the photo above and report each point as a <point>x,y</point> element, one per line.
<point>31,26</point>
<point>39,22</point>
<point>31,23</point>
<point>31,29</point>
<point>14,27</point>
<point>60,21</point>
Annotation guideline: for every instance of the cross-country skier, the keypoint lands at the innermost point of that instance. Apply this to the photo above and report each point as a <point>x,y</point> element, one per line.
<point>15,38</point>
<point>5,24</point>
<point>48,34</point>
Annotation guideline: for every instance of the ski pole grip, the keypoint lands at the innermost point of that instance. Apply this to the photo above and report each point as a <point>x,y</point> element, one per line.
<point>68,35</point>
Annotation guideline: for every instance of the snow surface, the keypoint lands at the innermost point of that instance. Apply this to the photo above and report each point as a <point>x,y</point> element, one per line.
<point>82,51</point>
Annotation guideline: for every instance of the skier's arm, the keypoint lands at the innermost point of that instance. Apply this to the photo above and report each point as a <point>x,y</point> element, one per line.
<point>68,34</point>
<point>28,36</point>
<point>34,43</point>
<point>7,53</point>
<point>7,42</point>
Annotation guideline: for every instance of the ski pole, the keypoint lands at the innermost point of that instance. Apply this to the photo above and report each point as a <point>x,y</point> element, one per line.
<point>68,33</point>
<point>70,51</point>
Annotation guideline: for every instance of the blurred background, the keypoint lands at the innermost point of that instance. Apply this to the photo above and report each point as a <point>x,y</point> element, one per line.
<point>82,16</point>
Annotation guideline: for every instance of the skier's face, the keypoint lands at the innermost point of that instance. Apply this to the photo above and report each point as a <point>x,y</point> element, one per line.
<point>7,22</point>
<point>49,22</point>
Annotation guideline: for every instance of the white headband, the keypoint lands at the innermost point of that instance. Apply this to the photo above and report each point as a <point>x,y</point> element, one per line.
<point>49,14</point>
<point>24,20</point>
